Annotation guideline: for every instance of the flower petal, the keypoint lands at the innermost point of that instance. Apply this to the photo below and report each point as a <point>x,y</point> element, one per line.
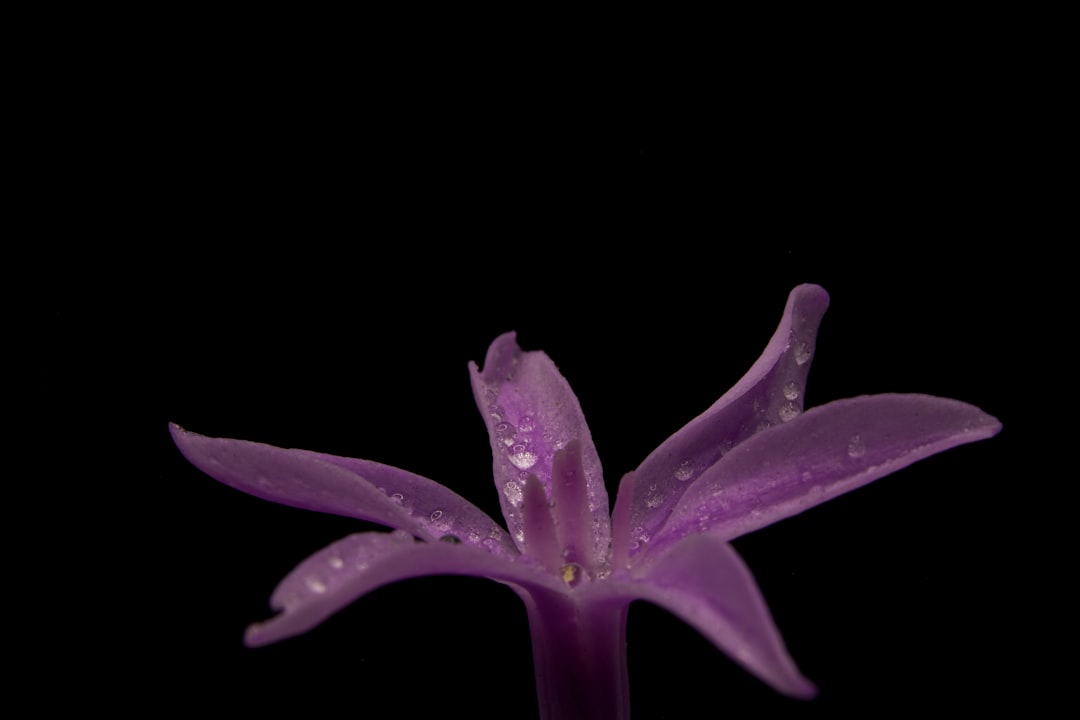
<point>826,451</point>
<point>344,571</point>
<point>704,582</point>
<point>530,412</point>
<point>435,506</point>
<point>770,393</point>
<point>343,486</point>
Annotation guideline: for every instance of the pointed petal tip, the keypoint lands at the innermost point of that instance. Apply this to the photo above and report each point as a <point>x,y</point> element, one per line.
<point>802,689</point>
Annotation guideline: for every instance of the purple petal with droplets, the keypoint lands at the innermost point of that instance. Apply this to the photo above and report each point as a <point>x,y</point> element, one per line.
<point>330,484</point>
<point>703,581</point>
<point>770,393</point>
<point>436,506</point>
<point>530,412</point>
<point>826,451</point>
<point>344,571</point>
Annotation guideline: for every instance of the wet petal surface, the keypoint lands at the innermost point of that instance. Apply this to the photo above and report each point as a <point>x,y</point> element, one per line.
<point>343,486</point>
<point>771,393</point>
<point>531,413</point>
<point>827,451</point>
<point>348,569</point>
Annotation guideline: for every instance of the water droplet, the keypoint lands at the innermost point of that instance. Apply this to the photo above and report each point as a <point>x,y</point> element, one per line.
<point>791,391</point>
<point>504,433</point>
<point>788,412</point>
<point>802,353</point>
<point>654,501</point>
<point>513,493</point>
<point>398,498</point>
<point>450,539</point>
<point>336,562</point>
<point>572,574</point>
<point>525,425</point>
<point>436,515</point>
<point>474,536</point>
<point>315,585</point>
<point>522,459</point>
<point>856,448</point>
<point>685,471</point>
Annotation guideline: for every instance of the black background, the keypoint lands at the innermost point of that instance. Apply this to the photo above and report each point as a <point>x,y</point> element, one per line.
<point>305,248</point>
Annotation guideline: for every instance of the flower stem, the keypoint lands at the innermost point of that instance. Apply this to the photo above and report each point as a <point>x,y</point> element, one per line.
<point>579,652</point>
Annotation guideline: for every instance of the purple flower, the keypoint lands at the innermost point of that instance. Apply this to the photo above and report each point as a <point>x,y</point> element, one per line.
<point>751,459</point>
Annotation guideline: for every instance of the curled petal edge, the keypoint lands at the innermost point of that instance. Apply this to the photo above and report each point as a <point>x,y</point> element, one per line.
<point>771,391</point>
<point>346,570</point>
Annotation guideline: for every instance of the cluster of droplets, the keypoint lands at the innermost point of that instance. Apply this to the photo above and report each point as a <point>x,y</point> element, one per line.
<point>638,537</point>
<point>439,519</point>
<point>515,441</point>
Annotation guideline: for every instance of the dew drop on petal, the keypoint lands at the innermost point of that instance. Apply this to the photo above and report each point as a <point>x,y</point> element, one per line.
<point>856,447</point>
<point>504,433</point>
<point>684,471</point>
<point>522,459</point>
<point>513,493</point>
<point>788,412</point>
<point>398,498</point>
<point>791,391</point>
<point>654,501</point>
<point>450,539</point>
<point>802,353</point>
<point>436,515</point>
